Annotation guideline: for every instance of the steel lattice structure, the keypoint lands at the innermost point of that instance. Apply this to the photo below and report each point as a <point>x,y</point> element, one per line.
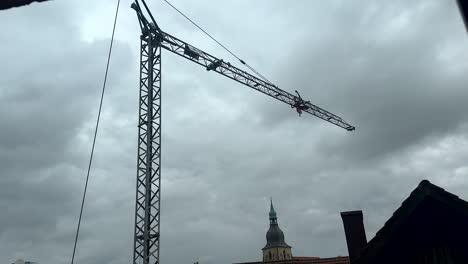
<point>146,241</point>
<point>202,58</point>
<point>148,195</point>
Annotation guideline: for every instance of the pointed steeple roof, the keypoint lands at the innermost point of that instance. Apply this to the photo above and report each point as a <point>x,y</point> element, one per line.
<point>273,216</point>
<point>274,236</point>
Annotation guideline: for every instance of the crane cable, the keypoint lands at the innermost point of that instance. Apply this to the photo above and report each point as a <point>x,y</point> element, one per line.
<point>224,47</point>
<point>95,131</point>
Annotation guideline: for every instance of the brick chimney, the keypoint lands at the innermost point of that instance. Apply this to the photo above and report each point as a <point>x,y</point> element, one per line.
<point>355,233</point>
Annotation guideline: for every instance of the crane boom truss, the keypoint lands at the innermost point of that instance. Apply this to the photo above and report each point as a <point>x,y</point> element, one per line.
<point>202,58</point>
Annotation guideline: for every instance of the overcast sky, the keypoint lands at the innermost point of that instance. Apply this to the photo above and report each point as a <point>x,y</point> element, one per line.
<point>396,70</point>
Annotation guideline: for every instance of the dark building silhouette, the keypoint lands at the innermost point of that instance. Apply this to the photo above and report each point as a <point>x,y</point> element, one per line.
<point>430,227</point>
<point>354,232</point>
<point>7,4</point>
<point>463,6</point>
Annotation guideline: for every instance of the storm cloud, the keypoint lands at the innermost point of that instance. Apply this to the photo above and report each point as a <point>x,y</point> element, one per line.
<point>397,71</point>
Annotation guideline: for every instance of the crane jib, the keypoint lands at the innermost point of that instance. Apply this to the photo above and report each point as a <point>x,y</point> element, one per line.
<point>183,49</point>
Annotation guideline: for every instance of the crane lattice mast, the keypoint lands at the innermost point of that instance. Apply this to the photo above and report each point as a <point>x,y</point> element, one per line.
<point>148,195</point>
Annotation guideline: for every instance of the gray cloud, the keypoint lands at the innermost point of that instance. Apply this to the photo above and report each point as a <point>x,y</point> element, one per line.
<point>49,87</point>
<point>227,149</point>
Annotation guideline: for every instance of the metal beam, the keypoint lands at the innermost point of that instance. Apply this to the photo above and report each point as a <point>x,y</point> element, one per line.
<point>147,229</point>
<point>210,62</point>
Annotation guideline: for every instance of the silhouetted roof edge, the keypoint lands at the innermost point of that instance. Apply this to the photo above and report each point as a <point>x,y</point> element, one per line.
<point>463,6</point>
<point>425,189</point>
<point>7,4</point>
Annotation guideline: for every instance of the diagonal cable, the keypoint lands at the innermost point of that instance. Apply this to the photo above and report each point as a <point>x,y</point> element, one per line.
<point>95,132</point>
<point>219,43</point>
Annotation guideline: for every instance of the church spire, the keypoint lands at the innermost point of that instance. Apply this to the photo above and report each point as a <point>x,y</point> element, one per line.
<point>273,218</point>
<point>275,248</point>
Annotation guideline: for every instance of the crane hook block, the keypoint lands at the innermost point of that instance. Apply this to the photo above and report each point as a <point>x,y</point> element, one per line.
<point>214,65</point>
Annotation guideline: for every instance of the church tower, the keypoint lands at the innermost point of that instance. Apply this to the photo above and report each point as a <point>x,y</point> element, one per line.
<point>276,248</point>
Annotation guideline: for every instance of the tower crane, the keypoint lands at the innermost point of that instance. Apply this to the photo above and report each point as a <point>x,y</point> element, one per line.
<point>148,193</point>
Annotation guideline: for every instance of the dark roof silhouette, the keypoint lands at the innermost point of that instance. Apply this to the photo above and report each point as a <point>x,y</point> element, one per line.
<point>275,237</point>
<point>7,4</point>
<point>424,193</point>
<point>463,6</point>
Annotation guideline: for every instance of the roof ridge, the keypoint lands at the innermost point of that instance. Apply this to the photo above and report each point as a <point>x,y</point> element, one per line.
<point>434,189</point>
<point>424,189</point>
